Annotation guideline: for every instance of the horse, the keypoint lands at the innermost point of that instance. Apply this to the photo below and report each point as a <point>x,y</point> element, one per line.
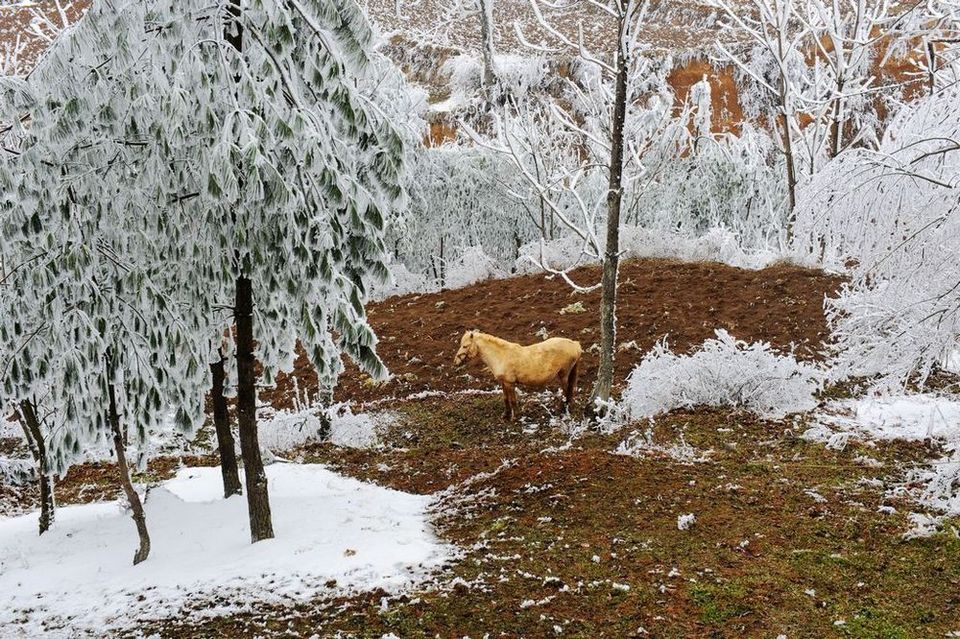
<point>534,366</point>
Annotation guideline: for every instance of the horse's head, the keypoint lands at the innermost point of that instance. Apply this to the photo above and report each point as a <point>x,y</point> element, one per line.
<point>468,348</point>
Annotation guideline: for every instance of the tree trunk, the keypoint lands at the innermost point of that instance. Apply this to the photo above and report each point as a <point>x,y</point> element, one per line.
<point>258,501</point>
<point>31,428</point>
<point>132,497</point>
<point>325,400</point>
<point>836,126</point>
<point>791,170</point>
<point>611,258</point>
<point>486,34</point>
<point>221,422</point>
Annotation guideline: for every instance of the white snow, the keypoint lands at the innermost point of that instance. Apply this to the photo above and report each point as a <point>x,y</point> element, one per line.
<point>283,430</point>
<point>685,521</point>
<point>919,417</point>
<point>907,417</point>
<point>78,578</point>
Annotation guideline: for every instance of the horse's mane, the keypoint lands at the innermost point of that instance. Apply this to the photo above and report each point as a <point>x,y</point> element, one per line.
<point>494,339</point>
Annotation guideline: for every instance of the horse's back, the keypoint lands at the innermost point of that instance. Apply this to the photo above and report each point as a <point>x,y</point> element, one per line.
<point>561,344</point>
<point>556,349</point>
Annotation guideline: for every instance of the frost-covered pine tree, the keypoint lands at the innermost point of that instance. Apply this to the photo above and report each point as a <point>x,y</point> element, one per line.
<point>29,411</point>
<point>246,172</point>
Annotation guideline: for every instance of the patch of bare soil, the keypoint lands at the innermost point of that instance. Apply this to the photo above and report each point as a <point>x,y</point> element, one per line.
<point>682,302</point>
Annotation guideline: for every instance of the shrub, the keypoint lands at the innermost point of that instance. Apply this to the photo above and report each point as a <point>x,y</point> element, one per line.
<point>724,372</point>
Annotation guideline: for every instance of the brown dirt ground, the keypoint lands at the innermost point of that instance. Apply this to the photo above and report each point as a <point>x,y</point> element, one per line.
<point>680,301</point>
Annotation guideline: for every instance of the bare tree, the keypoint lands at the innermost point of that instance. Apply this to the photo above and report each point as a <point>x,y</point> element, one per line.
<point>614,141</point>
<point>853,38</point>
<point>774,28</point>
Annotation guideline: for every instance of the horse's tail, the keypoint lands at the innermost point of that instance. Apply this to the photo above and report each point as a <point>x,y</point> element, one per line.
<point>571,382</point>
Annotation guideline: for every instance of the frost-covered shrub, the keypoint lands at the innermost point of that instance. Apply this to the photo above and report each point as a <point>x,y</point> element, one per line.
<point>400,281</point>
<point>287,430</point>
<point>715,245</point>
<point>471,267</point>
<point>724,372</point>
<point>517,75</point>
<point>893,217</point>
<point>732,182</point>
<point>458,199</point>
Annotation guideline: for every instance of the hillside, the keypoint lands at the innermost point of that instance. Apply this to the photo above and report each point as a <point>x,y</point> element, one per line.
<point>681,302</point>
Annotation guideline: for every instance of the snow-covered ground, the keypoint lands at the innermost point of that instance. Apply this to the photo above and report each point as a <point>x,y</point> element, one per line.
<point>907,417</point>
<point>923,417</point>
<point>78,577</point>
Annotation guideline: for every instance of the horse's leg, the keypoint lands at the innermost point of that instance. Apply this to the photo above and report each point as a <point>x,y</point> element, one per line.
<point>571,385</point>
<point>514,405</point>
<point>562,379</point>
<point>507,412</point>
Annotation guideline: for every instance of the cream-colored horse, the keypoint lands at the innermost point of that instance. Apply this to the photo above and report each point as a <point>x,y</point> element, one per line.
<point>536,366</point>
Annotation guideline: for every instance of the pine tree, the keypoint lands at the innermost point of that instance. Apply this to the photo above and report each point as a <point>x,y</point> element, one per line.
<point>168,175</point>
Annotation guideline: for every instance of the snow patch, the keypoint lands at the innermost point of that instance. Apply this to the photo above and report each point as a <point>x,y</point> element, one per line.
<point>922,417</point>
<point>78,577</point>
<point>907,417</point>
<point>716,245</point>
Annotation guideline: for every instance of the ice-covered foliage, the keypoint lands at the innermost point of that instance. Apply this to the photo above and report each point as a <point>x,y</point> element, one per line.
<point>400,281</point>
<point>151,164</point>
<point>729,182</point>
<point>893,217</point>
<point>559,150</point>
<point>471,267</point>
<point>724,372</point>
<point>517,75</point>
<point>459,197</point>
<point>16,472</point>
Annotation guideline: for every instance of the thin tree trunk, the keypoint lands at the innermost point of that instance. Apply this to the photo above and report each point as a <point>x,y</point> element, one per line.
<point>31,428</point>
<point>255,479</point>
<point>325,400</point>
<point>791,171</point>
<point>136,506</point>
<point>786,111</point>
<point>486,34</point>
<point>258,500</point>
<point>836,127</point>
<point>221,422</point>
<point>608,320</point>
